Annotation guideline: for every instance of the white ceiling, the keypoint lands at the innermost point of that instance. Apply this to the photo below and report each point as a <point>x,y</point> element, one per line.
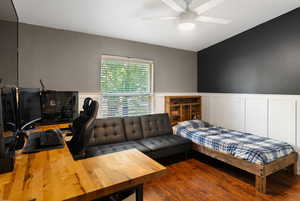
<point>122,19</point>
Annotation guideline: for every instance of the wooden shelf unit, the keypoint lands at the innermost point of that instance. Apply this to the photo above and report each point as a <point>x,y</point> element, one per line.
<point>182,108</point>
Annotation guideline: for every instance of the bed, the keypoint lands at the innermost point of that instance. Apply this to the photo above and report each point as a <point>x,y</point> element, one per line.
<point>258,155</point>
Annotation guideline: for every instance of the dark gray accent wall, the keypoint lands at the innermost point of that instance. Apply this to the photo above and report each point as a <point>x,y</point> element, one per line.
<point>68,60</point>
<point>265,59</point>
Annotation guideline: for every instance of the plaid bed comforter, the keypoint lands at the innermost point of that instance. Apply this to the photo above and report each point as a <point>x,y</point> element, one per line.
<point>253,148</point>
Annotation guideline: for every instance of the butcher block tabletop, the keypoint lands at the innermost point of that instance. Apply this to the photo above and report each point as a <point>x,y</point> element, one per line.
<point>54,175</point>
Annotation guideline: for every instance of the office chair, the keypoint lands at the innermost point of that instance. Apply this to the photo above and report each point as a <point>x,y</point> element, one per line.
<point>82,128</point>
<point>86,104</point>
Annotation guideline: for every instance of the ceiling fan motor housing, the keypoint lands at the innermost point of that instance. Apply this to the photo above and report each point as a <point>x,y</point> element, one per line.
<point>188,16</point>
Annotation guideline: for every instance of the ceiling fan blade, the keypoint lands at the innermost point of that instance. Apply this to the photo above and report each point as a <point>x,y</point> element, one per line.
<point>160,18</point>
<point>207,6</point>
<point>177,5</point>
<point>213,20</point>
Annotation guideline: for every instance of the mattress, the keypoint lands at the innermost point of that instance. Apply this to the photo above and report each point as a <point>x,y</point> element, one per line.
<point>246,146</point>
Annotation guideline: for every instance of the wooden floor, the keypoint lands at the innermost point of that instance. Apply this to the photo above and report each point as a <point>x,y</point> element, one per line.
<point>206,179</point>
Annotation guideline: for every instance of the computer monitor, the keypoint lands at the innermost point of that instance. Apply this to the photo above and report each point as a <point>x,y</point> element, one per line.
<point>9,122</point>
<point>59,106</point>
<point>9,109</point>
<point>2,146</point>
<point>8,77</point>
<point>29,106</point>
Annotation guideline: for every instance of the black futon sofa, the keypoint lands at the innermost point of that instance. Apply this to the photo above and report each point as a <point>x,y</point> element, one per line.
<point>150,134</point>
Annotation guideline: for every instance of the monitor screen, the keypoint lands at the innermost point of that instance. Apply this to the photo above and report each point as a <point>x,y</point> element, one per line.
<point>9,109</point>
<point>29,105</point>
<point>59,106</point>
<point>1,129</point>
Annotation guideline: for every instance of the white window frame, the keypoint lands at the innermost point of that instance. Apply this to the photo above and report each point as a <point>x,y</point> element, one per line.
<point>131,59</point>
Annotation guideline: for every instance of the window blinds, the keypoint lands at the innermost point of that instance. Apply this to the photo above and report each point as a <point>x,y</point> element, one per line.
<point>126,86</point>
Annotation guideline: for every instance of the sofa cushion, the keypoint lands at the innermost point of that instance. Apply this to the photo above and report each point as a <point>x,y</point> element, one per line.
<point>156,125</point>
<point>133,128</point>
<point>107,131</point>
<point>162,142</point>
<point>173,150</point>
<point>110,148</point>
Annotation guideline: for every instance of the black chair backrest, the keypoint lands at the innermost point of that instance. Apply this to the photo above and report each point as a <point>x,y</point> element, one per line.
<point>86,103</point>
<point>82,126</point>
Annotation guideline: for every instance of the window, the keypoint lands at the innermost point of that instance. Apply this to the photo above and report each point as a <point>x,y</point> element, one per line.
<point>126,86</point>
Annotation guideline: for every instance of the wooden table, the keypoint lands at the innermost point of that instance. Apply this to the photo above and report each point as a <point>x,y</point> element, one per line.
<point>42,128</point>
<point>55,176</point>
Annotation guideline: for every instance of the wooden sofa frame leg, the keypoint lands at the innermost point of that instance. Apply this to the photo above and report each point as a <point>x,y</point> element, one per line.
<point>261,183</point>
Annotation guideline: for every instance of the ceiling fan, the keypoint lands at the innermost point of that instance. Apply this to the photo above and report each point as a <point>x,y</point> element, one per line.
<point>189,13</point>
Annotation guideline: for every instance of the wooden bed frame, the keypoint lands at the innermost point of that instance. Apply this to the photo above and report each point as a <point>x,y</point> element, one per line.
<point>260,171</point>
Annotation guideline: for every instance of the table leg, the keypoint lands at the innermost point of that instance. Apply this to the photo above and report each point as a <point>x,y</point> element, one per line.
<point>139,193</point>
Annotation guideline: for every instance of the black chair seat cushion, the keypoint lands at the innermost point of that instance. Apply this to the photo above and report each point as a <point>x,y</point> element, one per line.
<point>111,148</point>
<point>164,141</point>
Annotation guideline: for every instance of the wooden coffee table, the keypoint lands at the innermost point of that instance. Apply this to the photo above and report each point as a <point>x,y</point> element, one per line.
<point>54,175</point>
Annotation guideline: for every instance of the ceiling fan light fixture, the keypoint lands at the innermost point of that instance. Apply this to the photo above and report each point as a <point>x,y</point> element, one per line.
<point>186,26</point>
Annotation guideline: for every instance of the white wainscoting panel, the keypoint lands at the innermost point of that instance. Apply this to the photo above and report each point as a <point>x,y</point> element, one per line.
<point>298,131</point>
<point>282,120</point>
<point>159,104</point>
<point>298,125</point>
<point>205,108</point>
<point>83,95</point>
<point>256,116</point>
<point>227,112</point>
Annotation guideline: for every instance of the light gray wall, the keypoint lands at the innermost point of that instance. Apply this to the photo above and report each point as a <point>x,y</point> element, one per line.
<point>9,53</point>
<point>68,60</point>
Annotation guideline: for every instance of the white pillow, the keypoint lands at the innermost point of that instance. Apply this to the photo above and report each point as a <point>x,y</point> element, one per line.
<point>193,123</point>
